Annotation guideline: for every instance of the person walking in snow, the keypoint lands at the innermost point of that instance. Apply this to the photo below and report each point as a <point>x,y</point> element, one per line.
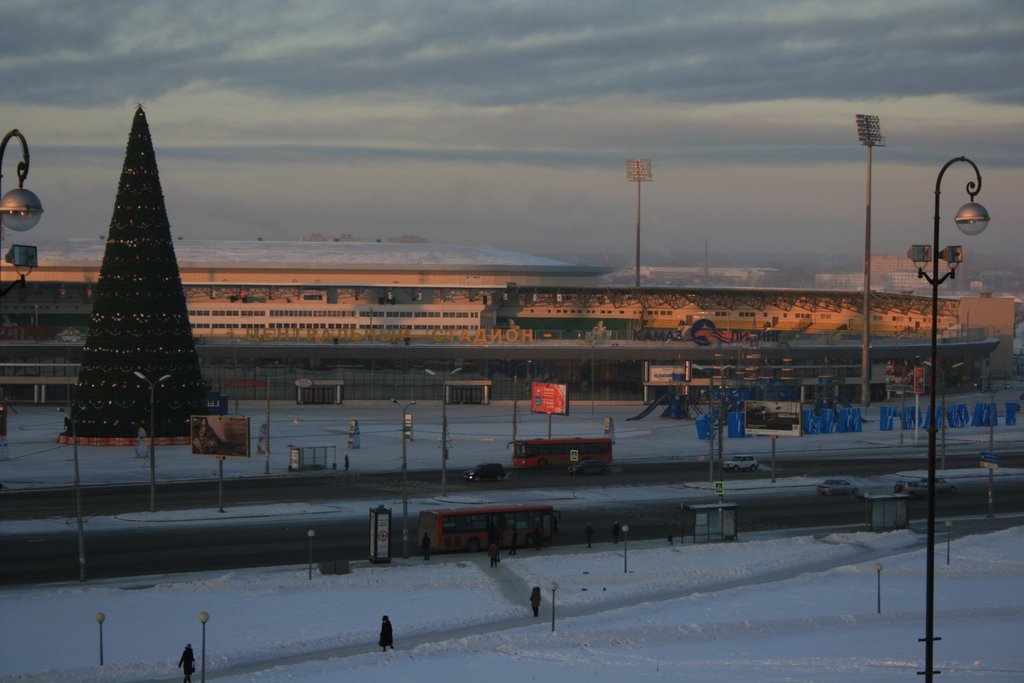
<point>514,544</point>
<point>535,600</point>
<point>425,544</point>
<point>590,534</point>
<point>386,639</point>
<point>492,552</point>
<point>187,663</point>
<point>616,528</point>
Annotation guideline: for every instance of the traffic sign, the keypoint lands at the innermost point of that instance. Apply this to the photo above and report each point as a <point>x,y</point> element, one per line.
<point>719,488</point>
<point>989,460</point>
<point>574,455</point>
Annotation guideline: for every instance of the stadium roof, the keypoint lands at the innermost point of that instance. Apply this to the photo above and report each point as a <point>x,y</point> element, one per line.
<point>342,255</point>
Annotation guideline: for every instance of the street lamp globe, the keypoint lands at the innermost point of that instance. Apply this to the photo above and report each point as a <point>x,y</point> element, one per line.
<point>20,209</point>
<point>972,218</point>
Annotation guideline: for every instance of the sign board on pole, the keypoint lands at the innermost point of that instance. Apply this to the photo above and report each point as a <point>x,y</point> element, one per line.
<point>549,398</point>
<point>772,418</point>
<point>989,460</point>
<point>220,435</point>
<point>574,455</point>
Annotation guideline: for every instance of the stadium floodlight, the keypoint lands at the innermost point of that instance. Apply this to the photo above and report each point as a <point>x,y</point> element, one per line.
<point>638,171</point>
<point>870,134</point>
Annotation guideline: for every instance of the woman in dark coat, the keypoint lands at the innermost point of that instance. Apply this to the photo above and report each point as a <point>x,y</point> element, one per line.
<point>386,640</point>
<point>535,600</point>
<point>187,663</point>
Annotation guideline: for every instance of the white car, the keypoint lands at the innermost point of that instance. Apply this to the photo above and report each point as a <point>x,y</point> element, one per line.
<point>741,462</point>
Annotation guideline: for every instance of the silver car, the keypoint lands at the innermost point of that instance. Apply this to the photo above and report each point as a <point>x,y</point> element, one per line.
<point>837,487</point>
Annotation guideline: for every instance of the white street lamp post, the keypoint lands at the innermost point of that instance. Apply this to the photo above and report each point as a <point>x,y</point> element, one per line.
<point>152,435</point>
<point>405,489</point>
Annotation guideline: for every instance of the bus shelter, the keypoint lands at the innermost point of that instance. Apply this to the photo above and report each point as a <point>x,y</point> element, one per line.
<point>888,512</point>
<point>709,522</point>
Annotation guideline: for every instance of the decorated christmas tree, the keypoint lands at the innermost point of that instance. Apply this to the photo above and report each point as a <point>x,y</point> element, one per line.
<point>139,319</point>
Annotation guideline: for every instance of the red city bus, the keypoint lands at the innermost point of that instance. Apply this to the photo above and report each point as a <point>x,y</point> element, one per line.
<point>475,528</point>
<point>544,453</point>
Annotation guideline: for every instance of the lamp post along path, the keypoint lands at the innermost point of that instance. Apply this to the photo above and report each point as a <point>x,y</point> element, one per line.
<point>971,219</point>
<point>152,435</point>
<point>405,487</point>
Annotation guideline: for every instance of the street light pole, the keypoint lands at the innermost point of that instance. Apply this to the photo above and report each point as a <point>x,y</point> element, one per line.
<point>971,219</point>
<point>152,435</point>
<point>638,171</point>
<point>78,500</point>
<point>311,534</point>
<point>405,487</point>
<point>625,549</point>
<point>20,209</point>
<point>870,135</point>
<point>203,618</point>
<point>444,430</point>
<point>553,587</point>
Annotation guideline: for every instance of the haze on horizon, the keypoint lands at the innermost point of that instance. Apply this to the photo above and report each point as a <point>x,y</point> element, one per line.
<point>507,124</point>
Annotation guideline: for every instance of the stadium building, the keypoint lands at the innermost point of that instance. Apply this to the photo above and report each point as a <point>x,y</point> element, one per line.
<point>372,321</point>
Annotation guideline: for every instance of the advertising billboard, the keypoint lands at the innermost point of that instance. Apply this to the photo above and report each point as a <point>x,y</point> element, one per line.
<point>551,399</point>
<point>220,435</point>
<point>772,418</point>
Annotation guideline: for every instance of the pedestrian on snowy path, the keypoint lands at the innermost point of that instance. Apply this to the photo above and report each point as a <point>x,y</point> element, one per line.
<point>187,663</point>
<point>535,600</point>
<point>386,639</point>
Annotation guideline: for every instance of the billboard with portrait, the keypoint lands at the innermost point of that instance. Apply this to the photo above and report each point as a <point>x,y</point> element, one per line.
<point>220,435</point>
<point>772,418</point>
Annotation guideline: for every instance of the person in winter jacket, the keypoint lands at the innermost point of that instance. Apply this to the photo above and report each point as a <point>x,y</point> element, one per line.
<point>386,639</point>
<point>535,600</point>
<point>187,663</point>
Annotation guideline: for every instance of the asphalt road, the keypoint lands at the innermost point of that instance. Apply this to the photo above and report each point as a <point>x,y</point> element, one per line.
<point>34,557</point>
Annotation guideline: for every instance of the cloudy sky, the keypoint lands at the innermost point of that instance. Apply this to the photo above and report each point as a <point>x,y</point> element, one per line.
<point>508,123</point>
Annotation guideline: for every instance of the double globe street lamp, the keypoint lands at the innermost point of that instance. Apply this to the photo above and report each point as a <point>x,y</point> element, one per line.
<point>971,219</point>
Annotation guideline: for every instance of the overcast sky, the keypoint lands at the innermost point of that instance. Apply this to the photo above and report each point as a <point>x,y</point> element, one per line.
<point>507,124</point>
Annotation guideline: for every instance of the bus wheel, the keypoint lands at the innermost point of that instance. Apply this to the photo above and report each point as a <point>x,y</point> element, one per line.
<point>473,545</point>
<point>542,464</point>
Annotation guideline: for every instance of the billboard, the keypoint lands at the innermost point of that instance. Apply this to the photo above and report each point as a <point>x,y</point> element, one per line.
<point>772,418</point>
<point>549,398</point>
<point>220,435</point>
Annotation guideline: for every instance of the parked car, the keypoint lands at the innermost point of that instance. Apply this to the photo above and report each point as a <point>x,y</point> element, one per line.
<point>919,487</point>
<point>589,467</point>
<point>837,487</point>
<point>490,470</point>
<point>740,462</point>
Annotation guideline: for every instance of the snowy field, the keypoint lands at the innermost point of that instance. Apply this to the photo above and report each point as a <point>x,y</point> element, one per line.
<point>798,607</point>
<point>777,609</point>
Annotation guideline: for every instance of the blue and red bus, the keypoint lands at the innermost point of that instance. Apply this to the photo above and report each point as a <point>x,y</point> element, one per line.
<point>544,453</point>
<point>476,528</point>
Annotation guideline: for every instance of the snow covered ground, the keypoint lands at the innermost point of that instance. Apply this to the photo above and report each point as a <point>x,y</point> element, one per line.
<point>770,607</point>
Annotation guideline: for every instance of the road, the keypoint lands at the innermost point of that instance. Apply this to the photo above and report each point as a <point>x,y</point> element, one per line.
<point>35,557</point>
